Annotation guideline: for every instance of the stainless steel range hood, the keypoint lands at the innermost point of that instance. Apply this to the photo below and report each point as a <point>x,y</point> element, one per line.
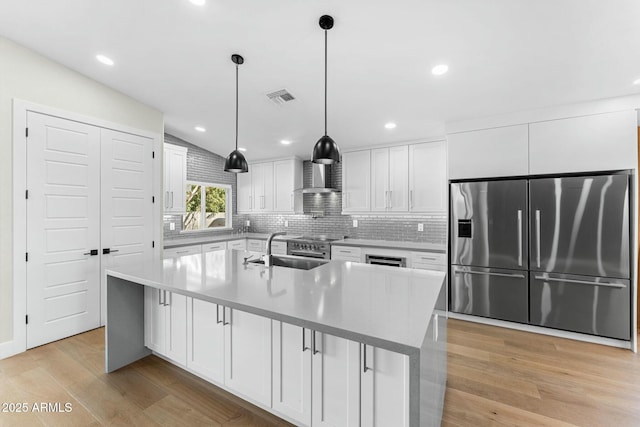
<point>320,180</point>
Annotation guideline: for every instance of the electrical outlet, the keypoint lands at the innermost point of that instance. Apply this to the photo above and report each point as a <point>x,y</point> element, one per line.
<point>172,226</point>
<point>286,223</point>
<point>420,227</point>
<point>248,223</point>
<point>355,223</point>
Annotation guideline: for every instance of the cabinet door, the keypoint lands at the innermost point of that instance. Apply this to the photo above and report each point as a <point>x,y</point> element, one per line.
<point>154,320</point>
<point>427,177</point>
<point>385,387</point>
<point>175,178</point>
<point>584,144</point>
<point>267,180</point>
<point>380,180</point>
<point>336,381</point>
<point>292,372</point>
<point>245,195</point>
<point>399,178</point>
<point>262,187</point>
<point>176,322</point>
<point>489,153</point>
<point>356,181</point>
<point>248,355</point>
<point>205,339</point>
<point>287,176</point>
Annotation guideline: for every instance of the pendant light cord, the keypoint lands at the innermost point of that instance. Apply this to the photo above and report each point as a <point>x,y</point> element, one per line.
<point>325,82</point>
<point>236,107</point>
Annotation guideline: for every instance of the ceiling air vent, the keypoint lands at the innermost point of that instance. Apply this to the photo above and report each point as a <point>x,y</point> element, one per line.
<point>280,96</point>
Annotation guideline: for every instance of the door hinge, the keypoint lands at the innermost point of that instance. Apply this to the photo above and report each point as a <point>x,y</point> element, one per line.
<point>26,319</point>
<point>153,154</point>
<point>153,199</point>
<point>153,244</point>
<point>26,132</point>
<point>26,194</point>
<point>26,256</point>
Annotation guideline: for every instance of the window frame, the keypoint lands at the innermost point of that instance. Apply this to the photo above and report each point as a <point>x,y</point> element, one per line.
<point>203,206</point>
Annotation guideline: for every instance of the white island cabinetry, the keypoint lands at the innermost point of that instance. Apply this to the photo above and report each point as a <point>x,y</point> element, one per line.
<point>166,324</point>
<point>287,341</point>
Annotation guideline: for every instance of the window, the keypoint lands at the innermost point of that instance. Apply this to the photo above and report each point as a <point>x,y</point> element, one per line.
<point>207,207</point>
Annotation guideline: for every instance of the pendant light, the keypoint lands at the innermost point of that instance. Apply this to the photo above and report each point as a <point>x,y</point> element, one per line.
<point>236,162</point>
<point>326,150</point>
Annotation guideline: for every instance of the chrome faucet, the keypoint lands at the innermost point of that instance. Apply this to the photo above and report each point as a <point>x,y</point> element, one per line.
<point>267,257</point>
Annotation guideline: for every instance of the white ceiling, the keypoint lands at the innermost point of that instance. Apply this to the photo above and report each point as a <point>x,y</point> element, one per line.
<point>503,56</point>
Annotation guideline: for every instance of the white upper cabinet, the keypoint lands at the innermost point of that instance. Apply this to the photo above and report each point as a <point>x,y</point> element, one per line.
<point>428,177</point>
<point>356,181</point>
<point>269,186</point>
<point>175,177</point>
<point>583,144</point>
<point>489,153</point>
<point>262,185</point>
<point>389,179</point>
<point>245,196</point>
<point>287,177</point>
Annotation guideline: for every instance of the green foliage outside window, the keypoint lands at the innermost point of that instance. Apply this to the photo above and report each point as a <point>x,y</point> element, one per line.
<point>215,207</point>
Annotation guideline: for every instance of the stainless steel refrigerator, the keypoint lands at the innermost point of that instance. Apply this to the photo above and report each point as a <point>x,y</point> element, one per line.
<point>551,252</point>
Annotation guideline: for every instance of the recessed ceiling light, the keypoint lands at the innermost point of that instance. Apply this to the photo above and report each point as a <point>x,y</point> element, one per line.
<point>200,129</point>
<point>636,82</point>
<point>242,149</point>
<point>104,59</point>
<point>439,70</point>
<point>390,125</point>
<point>285,142</point>
<point>198,2</point>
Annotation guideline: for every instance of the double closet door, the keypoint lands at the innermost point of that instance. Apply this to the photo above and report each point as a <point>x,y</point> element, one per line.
<point>89,205</point>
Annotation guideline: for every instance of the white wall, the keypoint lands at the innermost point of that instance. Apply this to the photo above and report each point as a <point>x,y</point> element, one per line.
<point>29,76</point>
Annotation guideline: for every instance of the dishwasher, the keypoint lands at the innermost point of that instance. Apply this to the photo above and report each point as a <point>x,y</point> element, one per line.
<point>392,261</point>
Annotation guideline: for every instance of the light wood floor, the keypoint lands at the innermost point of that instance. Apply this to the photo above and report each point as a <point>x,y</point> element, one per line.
<point>496,377</point>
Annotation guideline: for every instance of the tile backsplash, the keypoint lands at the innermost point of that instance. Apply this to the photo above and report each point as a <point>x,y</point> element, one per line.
<point>322,211</point>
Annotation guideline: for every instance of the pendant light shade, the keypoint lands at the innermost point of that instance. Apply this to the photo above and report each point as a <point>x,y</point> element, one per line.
<point>235,161</point>
<point>326,150</point>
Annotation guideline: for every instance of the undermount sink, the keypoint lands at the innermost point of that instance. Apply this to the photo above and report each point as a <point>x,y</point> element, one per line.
<point>293,262</point>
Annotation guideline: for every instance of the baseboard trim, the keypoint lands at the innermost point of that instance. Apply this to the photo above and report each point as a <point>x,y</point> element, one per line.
<point>543,331</point>
<point>8,349</point>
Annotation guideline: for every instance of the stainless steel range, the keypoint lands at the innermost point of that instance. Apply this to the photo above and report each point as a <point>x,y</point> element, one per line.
<point>311,246</point>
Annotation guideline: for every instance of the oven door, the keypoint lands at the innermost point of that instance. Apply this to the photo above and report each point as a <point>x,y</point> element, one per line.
<point>306,253</point>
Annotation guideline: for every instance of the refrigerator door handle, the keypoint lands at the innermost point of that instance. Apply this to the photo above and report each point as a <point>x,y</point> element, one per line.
<point>520,237</point>
<point>538,237</point>
<point>486,273</point>
<point>581,282</point>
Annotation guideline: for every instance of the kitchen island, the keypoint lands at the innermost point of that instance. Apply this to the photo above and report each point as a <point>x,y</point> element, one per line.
<point>340,344</point>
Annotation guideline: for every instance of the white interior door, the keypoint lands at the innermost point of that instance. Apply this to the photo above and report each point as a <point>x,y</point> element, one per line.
<point>63,226</point>
<point>127,208</point>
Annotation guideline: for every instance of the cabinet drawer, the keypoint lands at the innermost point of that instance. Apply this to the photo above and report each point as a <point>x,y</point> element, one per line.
<point>256,245</point>
<point>240,244</point>
<point>210,247</point>
<point>346,253</point>
<point>428,266</point>
<point>279,248</point>
<point>182,250</point>
<point>428,258</point>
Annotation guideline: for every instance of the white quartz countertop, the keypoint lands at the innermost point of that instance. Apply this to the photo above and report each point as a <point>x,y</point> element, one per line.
<point>377,305</point>
<point>200,240</point>
<point>392,244</point>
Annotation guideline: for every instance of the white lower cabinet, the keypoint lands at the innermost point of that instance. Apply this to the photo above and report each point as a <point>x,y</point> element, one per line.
<point>166,324</point>
<point>205,339</point>
<point>247,357</point>
<point>256,245</point>
<point>292,372</point>
<point>384,387</point>
<point>308,377</point>
<point>336,381</point>
<point>240,244</point>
